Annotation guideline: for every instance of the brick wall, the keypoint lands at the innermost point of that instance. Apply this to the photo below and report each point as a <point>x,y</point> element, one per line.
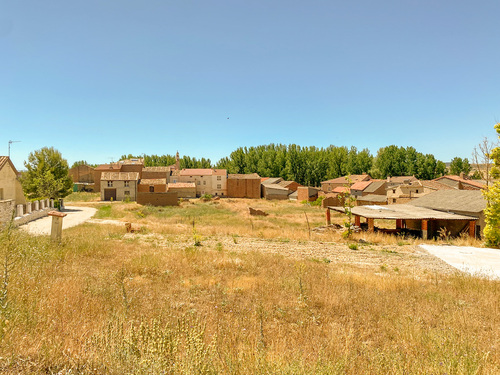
<point>157,199</point>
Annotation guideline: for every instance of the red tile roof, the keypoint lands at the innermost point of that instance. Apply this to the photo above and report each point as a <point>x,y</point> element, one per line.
<point>360,185</point>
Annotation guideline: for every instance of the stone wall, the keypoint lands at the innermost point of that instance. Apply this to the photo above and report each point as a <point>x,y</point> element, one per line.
<point>157,199</point>
<point>6,209</point>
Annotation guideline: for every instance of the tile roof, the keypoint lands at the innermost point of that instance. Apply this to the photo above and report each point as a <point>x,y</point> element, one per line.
<point>203,172</point>
<point>341,189</point>
<point>374,186</point>
<point>462,180</point>
<point>153,181</point>
<point>401,179</point>
<point>107,167</point>
<point>453,200</point>
<point>183,185</point>
<point>435,185</point>
<point>360,185</point>
<point>353,178</point>
<point>157,169</point>
<point>119,176</point>
<point>271,180</point>
<point>250,176</point>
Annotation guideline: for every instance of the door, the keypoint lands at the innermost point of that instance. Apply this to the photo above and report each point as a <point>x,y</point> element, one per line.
<point>110,194</point>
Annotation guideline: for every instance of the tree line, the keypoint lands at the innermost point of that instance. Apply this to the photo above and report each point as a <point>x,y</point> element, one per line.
<point>311,165</point>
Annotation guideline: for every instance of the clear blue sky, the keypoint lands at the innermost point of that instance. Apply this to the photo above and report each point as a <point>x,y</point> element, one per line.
<point>98,79</point>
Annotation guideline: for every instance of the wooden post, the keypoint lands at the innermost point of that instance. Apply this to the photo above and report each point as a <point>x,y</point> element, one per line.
<point>57,221</point>
<point>328,218</point>
<point>371,224</point>
<point>399,223</point>
<point>357,220</point>
<point>472,228</point>
<point>424,229</point>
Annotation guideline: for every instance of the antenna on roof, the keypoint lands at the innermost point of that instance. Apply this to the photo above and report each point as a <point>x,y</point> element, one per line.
<point>11,142</point>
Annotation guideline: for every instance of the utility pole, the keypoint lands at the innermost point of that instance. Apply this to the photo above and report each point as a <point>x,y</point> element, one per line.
<point>11,142</point>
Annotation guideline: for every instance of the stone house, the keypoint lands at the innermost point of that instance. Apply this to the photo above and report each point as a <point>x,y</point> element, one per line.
<point>183,189</point>
<point>460,183</point>
<point>207,180</point>
<point>330,185</point>
<point>152,185</point>
<point>398,180</point>
<point>82,174</point>
<point>405,192</point>
<point>119,185</point>
<point>10,186</point>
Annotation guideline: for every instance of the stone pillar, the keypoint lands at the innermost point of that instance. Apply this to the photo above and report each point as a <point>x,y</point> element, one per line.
<point>57,221</point>
<point>472,228</point>
<point>371,224</point>
<point>51,203</point>
<point>28,207</point>
<point>37,205</point>
<point>425,233</point>
<point>357,220</point>
<point>19,210</point>
<point>328,217</point>
<point>42,204</point>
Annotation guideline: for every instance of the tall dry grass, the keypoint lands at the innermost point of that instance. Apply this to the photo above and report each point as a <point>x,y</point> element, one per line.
<point>103,302</point>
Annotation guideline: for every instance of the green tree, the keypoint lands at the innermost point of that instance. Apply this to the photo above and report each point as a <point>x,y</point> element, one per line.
<point>459,165</point>
<point>492,195</point>
<point>47,175</point>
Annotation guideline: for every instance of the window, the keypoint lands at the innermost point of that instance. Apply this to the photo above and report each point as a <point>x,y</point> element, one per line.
<point>126,192</point>
<point>126,183</point>
<point>110,183</point>
<point>204,182</point>
<point>394,191</point>
<point>416,191</point>
<point>219,186</point>
<point>219,178</point>
<point>199,182</point>
<point>151,189</point>
<point>394,201</point>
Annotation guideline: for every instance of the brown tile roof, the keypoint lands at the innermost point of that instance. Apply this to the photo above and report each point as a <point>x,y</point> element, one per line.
<point>353,177</point>
<point>401,179</point>
<point>435,185</point>
<point>341,189</point>
<point>286,184</point>
<point>119,176</point>
<point>203,172</point>
<point>360,185</point>
<point>181,185</point>
<point>462,180</point>
<point>107,167</point>
<point>153,181</point>
<point>250,176</point>
<point>157,169</point>
<point>374,186</point>
<point>453,200</point>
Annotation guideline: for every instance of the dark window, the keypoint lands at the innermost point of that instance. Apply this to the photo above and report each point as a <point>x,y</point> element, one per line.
<point>151,189</point>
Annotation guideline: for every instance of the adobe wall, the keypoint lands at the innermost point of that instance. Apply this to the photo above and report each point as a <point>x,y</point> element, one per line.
<point>144,188</point>
<point>243,188</point>
<point>303,195</point>
<point>151,175</point>
<point>132,168</point>
<point>157,199</point>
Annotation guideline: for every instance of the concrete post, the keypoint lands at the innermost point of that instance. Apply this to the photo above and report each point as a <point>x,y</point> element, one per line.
<point>19,210</point>
<point>47,203</point>
<point>28,207</point>
<point>57,221</point>
<point>328,217</point>
<point>37,205</point>
<point>42,204</point>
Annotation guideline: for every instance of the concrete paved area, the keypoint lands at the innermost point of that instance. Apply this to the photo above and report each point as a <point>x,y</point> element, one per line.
<point>473,260</point>
<point>75,216</point>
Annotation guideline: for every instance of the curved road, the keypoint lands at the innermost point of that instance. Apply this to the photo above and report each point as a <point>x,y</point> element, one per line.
<point>75,216</point>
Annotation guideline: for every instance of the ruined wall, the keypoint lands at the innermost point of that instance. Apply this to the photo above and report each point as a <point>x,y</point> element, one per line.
<point>243,188</point>
<point>157,199</point>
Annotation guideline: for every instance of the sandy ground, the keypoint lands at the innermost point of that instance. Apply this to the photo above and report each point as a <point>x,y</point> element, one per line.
<point>75,216</point>
<point>473,260</point>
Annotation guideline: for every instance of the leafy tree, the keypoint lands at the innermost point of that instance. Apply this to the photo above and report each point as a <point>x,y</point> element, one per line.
<point>47,175</point>
<point>82,162</point>
<point>492,211</point>
<point>459,165</point>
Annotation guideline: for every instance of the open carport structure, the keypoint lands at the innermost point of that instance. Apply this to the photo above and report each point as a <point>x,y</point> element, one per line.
<point>411,219</point>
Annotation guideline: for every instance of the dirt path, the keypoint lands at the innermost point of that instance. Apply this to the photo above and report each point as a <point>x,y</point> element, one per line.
<point>75,216</point>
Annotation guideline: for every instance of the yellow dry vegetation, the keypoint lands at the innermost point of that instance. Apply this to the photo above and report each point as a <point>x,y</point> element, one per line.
<point>107,302</point>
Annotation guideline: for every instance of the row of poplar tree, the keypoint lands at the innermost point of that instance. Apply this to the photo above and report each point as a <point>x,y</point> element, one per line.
<point>311,165</point>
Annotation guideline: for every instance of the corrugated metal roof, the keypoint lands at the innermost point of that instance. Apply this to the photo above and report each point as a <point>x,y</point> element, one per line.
<point>119,176</point>
<point>453,200</point>
<point>402,211</point>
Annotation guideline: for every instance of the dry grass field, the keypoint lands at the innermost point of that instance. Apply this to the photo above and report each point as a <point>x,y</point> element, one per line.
<point>205,288</point>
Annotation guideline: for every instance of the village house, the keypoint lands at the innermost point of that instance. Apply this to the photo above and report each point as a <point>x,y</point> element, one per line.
<point>83,177</point>
<point>119,185</point>
<point>405,192</point>
<point>399,180</point>
<point>152,185</point>
<point>207,180</point>
<point>183,189</point>
<point>10,187</point>
<point>460,183</point>
<point>330,185</point>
